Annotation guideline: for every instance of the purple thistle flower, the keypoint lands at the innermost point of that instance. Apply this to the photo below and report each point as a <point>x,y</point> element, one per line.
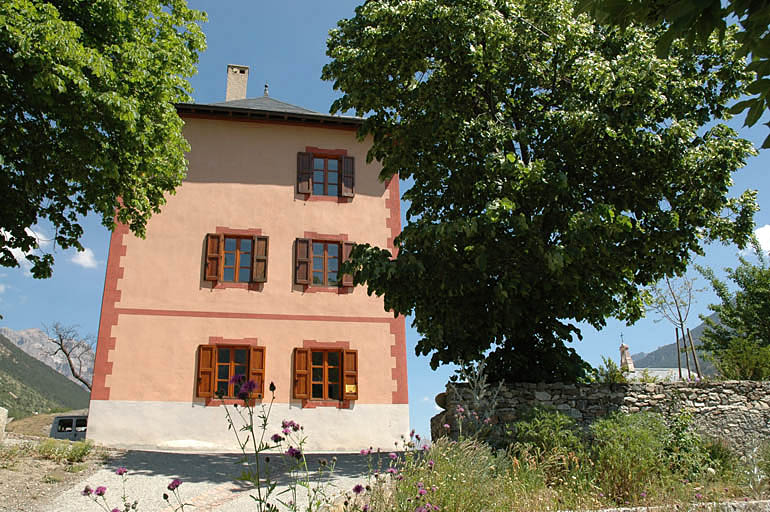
<point>422,492</point>
<point>431,463</point>
<point>392,456</point>
<point>249,386</point>
<point>174,484</point>
<point>237,378</point>
<point>99,491</point>
<point>121,471</point>
<point>698,495</point>
<point>392,471</point>
<point>399,477</point>
<point>286,431</point>
<point>420,485</point>
<point>365,452</point>
<point>114,510</point>
<point>276,438</point>
<point>294,452</point>
<point>643,494</point>
<point>358,489</point>
<point>87,491</point>
<point>433,488</point>
<point>446,426</point>
<point>365,508</point>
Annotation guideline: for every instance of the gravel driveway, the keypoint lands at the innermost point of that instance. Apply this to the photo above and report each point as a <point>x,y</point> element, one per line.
<point>208,481</point>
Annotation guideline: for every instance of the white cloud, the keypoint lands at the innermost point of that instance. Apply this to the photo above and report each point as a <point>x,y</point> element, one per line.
<point>2,288</point>
<point>43,242</point>
<point>85,258</point>
<point>763,235</point>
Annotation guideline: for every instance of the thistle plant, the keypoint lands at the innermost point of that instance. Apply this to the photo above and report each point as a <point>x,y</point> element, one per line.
<point>99,495</point>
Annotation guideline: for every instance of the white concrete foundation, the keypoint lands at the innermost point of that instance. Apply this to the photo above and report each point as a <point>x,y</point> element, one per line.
<point>195,427</point>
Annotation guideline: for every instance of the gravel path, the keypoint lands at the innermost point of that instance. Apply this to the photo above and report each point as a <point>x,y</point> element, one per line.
<point>208,481</point>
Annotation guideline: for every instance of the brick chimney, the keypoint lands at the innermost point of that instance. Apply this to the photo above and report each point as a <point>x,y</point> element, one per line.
<point>237,79</point>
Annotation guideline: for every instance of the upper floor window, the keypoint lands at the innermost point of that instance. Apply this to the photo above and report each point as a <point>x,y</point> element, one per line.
<point>325,175</point>
<point>317,263</point>
<point>236,258</point>
<point>326,263</point>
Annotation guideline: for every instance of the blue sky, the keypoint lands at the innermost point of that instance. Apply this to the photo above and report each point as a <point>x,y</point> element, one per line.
<point>284,45</point>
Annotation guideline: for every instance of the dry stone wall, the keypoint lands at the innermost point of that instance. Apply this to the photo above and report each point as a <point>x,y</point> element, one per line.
<point>736,411</point>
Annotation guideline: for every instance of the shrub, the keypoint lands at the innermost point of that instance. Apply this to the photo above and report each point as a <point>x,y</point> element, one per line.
<point>684,446</point>
<point>61,451</point>
<point>627,453</point>
<point>743,360</point>
<point>549,431</point>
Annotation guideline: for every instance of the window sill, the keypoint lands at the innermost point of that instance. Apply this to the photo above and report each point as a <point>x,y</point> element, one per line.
<point>312,404</point>
<point>339,290</point>
<point>327,199</point>
<point>255,287</point>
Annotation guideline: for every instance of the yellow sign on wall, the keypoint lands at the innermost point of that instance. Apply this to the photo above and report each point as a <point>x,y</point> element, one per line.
<point>350,388</point>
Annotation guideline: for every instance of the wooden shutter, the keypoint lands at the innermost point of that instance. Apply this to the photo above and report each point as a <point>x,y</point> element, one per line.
<point>347,279</point>
<point>303,267</point>
<point>305,173</point>
<point>348,177</point>
<point>350,375</point>
<point>257,371</point>
<point>301,378</point>
<point>207,356</point>
<point>259,268</point>
<point>215,245</point>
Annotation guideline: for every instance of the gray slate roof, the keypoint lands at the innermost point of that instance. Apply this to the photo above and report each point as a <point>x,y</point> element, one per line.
<point>267,103</point>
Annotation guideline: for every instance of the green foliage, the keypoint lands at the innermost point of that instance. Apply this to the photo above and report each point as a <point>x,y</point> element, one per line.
<point>477,404</point>
<point>558,168</point>
<point>59,450</point>
<point>38,388</point>
<point>684,447</point>
<point>548,430</point>
<point>697,20</point>
<point>607,373</point>
<point>87,117</point>
<point>740,341</point>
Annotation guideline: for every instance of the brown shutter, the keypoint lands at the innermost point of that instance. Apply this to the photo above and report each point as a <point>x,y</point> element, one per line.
<point>348,176</point>
<point>347,279</point>
<point>303,266</point>
<point>301,377</point>
<point>304,173</point>
<point>259,269</point>
<point>350,375</point>
<point>257,371</point>
<point>214,248</point>
<point>207,356</point>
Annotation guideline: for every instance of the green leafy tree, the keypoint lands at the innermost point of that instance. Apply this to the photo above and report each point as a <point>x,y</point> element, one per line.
<point>558,167</point>
<point>87,120</point>
<point>697,20</point>
<point>740,340</point>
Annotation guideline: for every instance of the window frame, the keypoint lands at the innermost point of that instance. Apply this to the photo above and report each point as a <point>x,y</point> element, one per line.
<point>326,170</point>
<point>231,392</point>
<point>325,268</point>
<point>325,382</point>
<point>302,378</point>
<point>207,372</point>
<point>237,260</point>
<point>214,258</point>
<point>304,264</point>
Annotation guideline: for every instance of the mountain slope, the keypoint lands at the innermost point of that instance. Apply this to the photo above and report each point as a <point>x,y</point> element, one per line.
<point>28,386</point>
<point>665,356</point>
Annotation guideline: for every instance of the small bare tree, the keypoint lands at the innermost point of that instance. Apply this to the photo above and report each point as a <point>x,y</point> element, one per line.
<point>75,348</point>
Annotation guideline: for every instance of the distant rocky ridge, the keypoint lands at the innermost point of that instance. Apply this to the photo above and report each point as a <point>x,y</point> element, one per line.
<point>35,343</point>
<point>665,356</point>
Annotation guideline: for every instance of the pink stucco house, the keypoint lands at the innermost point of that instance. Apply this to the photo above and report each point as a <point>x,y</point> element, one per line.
<point>239,274</point>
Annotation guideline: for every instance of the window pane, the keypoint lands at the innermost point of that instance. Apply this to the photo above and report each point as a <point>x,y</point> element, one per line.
<point>318,391</point>
<point>244,274</point>
<point>334,391</point>
<point>332,177</point>
<point>318,163</point>
<point>240,370</point>
<point>318,249</point>
<point>222,388</point>
<point>65,426</point>
<point>223,355</point>
<point>318,358</point>
<point>318,262</point>
<point>333,249</point>
<point>318,189</point>
<point>229,275</point>
<point>318,177</point>
<point>318,278</point>
<point>333,358</point>
<point>245,245</point>
<point>333,264</point>
<point>332,164</point>
<point>334,374</point>
<point>223,372</point>
<point>240,355</point>
<point>318,374</point>
<point>332,190</point>
<point>229,259</point>
<point>332,278</point>
<point>230,244</point>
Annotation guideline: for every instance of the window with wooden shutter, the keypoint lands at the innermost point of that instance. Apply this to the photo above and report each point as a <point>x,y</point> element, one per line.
<point>301,377</point>
<point>350,375</point>
<point>347,247</point>
<point>348,177</point>
<point>259,269</point>
<point>206,364</point>
<point>257,371</point>
<point>214,249</point>
<point>302,264</point>
<point>304,173</point>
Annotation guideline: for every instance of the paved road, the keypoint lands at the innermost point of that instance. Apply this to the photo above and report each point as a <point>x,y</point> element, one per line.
<point>208,481</point>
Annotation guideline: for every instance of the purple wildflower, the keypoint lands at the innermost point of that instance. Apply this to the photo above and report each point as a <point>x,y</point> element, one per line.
<point>237,378</point>
<point>121,471</point>
<point>643,494</point>
<point>420,485</point>
<point>87,491</point>
<point>174,484</point>
<point>286,431</point>
<point>276,438</point>
<point>99,491</point>
<point>358,489</point>
<point>446,426</point>
<point>698,496</point>
<point>249,386</point>
<point>392,456</point>
<point>422,492</point>
<point>392,471</point>
<point>115,510</point>
<point>365,508</point>
<point>294,452</point>
<point>433,488</point>
<point>431,463</point>
<point>399,477</point>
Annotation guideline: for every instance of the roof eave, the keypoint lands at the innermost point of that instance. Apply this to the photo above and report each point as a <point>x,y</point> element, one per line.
<point>237,113</point>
